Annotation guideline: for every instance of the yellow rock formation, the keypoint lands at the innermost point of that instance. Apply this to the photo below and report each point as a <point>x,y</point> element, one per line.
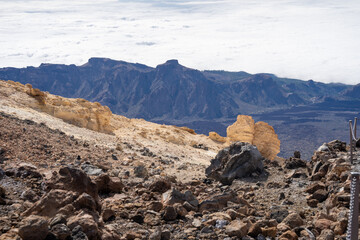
<point>243,129</point>
<point>266,140</point>
<point>76,111</point>
<point>216,137</point>
<point>260,134</point>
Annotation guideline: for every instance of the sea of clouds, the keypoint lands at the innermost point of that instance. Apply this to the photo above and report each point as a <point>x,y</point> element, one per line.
<point>304,39</point>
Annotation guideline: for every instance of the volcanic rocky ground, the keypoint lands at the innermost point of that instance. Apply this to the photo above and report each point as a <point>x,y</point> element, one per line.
<point>132,179</point>
<point>57,186</point>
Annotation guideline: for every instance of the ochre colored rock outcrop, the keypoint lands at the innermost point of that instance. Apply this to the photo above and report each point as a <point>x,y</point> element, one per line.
<point>216,137</point>
<point>77,111</point>
<point>260,134</point>
<point>266,140</point>
<point>242,130</point>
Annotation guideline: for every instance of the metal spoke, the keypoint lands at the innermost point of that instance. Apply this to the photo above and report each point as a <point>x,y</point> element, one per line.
<point>353,222</point>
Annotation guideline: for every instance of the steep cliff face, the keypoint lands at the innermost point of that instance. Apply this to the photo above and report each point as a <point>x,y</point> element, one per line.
<point>178,92</point>
<point>353,92</point>
<point>260,89</point>
<point>170,91</point>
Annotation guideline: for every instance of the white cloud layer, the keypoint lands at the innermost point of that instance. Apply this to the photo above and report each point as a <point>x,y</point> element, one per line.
<point>301,39</point>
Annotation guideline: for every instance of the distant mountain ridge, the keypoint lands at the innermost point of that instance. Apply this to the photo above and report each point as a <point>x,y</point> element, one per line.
<point>171,91</point>
<point>303,113</point>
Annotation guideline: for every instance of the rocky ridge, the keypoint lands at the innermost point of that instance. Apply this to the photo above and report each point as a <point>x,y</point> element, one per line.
<point>130,88</point>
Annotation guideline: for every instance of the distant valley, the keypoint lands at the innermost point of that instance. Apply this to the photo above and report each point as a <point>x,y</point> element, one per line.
<point>304,113</point>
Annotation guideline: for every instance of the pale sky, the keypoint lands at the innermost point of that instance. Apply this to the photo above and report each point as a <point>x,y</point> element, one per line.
<point>303,39</point>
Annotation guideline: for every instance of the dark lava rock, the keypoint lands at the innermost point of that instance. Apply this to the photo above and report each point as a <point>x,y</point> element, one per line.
<point>279,214</point>
<point>2,155</point>
<point>200,146</point>
<point>29,195</point>
<point>160,185</point>
<point>2,192</point>
<point>169,213</point>
<point>141,172</point>
<point>338,145</point>
<point>293,163</point>
<point>2,173</point>
<point>237,161</point>
<point>27,171</point>
<point>138,218</point>
<point>78,234</point>
<point>61,231</point>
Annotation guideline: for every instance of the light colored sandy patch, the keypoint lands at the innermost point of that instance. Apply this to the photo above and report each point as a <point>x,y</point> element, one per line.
<point>169,143</point>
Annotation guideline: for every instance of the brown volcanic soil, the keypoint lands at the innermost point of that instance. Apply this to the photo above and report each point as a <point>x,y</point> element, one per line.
<point>25,142</point>
<point>30,142</point>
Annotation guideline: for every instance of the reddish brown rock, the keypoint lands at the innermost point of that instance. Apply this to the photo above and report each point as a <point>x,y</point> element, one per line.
<point>152,219</point>
<point>2,192</point>
<point>254,230</point>
<point>108,214</point>
<point>322,224</point>
<point>155,206</point>
<point>282,227</point>
<point>340,227</point>
<point>293,220</point>
<point>107,184</point>
<point>312,203</point>
<point>288,235</point>
<point>214,217</point>
<point>51,202</point>
<point>232,213</point>
<point>33,227</point>
<point>326,234</point>
<point>181,211</point>
<point>160,185</point>
<point>72,179</point>
<point>85,201</point>
<point>320,195</point>
<point>269,232</point>
<point>218,202</point>
<point>314,187</point>
<point>169,213</point>
<point>87,222</point>
<point>237,228</point>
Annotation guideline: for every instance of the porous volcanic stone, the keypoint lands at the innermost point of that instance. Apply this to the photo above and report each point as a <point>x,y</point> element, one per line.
<point>237,161</point>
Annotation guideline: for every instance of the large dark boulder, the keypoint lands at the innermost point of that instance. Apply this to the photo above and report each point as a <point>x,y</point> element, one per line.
<point>237,161</point>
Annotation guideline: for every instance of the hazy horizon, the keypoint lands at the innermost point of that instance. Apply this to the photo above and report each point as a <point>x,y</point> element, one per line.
<point>306,40</point>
